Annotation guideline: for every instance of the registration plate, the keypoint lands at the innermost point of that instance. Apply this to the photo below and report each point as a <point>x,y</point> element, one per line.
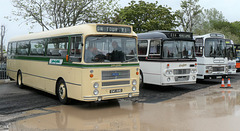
<point>116,90</point>
<point>218,77</point>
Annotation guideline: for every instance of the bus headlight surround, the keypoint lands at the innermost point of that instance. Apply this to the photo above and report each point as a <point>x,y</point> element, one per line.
<point>193,77</point>
<point>134,82</point>
<point>226,70</point>
<point>95,92</point>
<point>134,88</point>
<point>95,85</point>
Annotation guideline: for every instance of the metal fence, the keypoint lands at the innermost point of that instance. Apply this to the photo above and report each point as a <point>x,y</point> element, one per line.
<point>3,74</point>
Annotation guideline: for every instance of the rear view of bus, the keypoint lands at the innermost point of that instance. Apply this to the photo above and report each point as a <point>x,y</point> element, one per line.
<point>167,58</point>
<point>231,55</point>
<point>211,56</point>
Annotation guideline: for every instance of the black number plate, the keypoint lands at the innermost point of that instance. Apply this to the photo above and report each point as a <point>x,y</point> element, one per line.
<point>116,90</point>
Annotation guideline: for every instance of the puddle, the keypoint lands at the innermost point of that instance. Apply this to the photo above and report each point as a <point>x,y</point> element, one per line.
<point>207,109</point>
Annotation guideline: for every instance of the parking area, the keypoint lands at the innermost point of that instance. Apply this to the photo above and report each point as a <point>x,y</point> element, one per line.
<point>183,107</point>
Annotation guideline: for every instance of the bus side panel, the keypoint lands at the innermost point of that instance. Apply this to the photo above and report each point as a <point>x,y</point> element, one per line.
<point>71,76</point>
<point>151,75</point>
<point>11,69</point>
<point>74,83</point>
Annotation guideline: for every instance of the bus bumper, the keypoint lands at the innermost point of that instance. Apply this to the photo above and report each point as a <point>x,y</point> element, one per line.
<point>215,76</point>
<point>179,83</point>
<point>109,97</point>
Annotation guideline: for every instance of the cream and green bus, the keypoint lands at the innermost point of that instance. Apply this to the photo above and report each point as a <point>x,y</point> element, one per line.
<point>89,62</point>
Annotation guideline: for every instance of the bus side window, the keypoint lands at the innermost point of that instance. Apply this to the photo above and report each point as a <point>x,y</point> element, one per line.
<point>22,48</point>
<point>76,49</point>
<point>142,47</point>
<point>37,47</point>
<point>154,50</point>
<point>199,47</point>
<point>57,46</point>
<point>13,50</point>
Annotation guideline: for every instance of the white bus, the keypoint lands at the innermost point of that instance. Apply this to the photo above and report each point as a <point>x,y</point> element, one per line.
<point>167,58</point>
<point>78,62</point>
<point>212,62</point>
<point>231,55</point>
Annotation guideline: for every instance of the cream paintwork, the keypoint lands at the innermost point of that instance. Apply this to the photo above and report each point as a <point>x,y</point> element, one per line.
<point>75,75</point>
<point>83,87</point>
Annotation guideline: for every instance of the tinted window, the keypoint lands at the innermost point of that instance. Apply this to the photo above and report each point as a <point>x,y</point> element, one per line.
<point>199,47</point>
<point>22,48</point>
<point>154,47</point>
<point>142,47</point>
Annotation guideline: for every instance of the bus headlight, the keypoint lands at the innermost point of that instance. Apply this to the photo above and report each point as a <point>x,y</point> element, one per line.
<point>95,85</point>
<point>193,77</point>
<point>134,88</point>
<point>168,79</point>
<point>226,70</point>
<point>95,92</point>
<point>134,82</point>
<point>194,71</point>
<point>169,72</point>
<point>209,69</point>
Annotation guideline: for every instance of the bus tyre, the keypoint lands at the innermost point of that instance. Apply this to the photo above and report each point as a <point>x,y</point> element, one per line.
<point>19,79</point>
<point>62,92</point>
<point>141,81</point>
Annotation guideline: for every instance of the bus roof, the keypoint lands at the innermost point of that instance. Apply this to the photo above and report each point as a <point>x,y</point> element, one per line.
<point>211,35</point>
<point>85,29</point>
<point>164,34</point>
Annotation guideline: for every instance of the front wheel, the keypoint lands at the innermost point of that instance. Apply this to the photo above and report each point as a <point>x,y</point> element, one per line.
<point>141,81</point>
<point>62,92</point>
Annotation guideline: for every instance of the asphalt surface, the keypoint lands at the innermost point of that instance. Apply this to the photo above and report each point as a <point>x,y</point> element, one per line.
<point>15,100</point>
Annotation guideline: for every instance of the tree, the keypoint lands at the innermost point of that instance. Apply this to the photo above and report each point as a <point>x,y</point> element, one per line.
<point>207,20</point>
<point>53,14</point>
<point>3,31</point>
<point>145,16</point>
<point>189,16</point>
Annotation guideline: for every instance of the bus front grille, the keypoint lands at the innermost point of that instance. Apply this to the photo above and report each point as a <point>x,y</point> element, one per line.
<point>113,75</point>
<point>113,83</point>
<point>181,71</point>
<point>181,78</point>
<point>216,69</point>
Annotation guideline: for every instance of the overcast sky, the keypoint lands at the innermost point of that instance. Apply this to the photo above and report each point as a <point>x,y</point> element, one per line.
<point>229,8</point>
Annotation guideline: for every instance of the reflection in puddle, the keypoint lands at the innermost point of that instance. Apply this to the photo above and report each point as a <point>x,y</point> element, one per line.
<point>100,116</point>
<point>200,110</point>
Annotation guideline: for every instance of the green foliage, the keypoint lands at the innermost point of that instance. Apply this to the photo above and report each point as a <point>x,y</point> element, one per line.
<point>207,20</point>
<point>189,16</point>
<point>145,16</point>
<point>53,14</point>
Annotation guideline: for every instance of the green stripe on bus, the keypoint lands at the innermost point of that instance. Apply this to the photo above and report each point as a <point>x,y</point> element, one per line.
<point>73,64</point>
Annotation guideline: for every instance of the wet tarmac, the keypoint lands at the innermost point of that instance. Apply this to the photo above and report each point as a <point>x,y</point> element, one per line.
<point>207,109</point>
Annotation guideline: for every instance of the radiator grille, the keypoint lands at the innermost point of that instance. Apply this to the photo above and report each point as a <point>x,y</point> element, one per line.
<point>181,78</point>
<point>216,69</point>
<point>113,83</point>
<point>112,75</point>
<point>181,71</point>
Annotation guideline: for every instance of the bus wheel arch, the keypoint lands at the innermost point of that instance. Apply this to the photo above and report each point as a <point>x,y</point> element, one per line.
<point>19,79</point>
<point>61,91</point>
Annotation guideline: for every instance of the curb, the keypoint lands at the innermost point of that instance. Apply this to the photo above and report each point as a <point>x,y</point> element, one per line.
<point>6,81</point>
